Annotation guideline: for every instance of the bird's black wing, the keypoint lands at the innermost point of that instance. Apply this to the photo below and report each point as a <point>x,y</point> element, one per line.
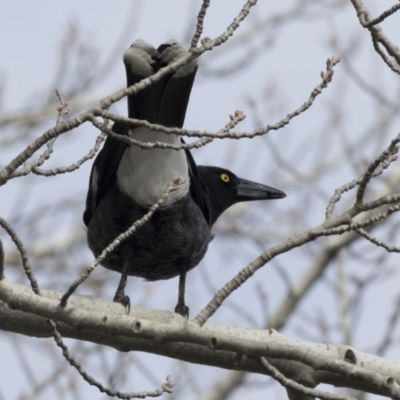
<point>104,169</point>
<point>198,188</point>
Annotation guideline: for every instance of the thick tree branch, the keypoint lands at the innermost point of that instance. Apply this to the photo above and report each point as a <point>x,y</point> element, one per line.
<point>214,344</point>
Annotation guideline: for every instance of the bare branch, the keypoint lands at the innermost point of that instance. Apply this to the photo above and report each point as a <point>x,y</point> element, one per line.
<point>166,387</point>
<point>24,256</point>
<point>374,169</point>
<point>383,16</point>
<point>73,167</point>
<point>301,389</point>
<point>200,23</point>
<point>377,242</point>
<point>389,155</point>
<point>378,37</point>
<point>96,318</point>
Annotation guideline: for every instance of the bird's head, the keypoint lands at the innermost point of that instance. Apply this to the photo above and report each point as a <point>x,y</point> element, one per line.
<point>226,189</point>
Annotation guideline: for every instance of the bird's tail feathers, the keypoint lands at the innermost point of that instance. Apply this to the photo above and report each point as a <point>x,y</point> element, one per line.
<point>164,102</point>
<point>177,87</point>
<point>141,62</point>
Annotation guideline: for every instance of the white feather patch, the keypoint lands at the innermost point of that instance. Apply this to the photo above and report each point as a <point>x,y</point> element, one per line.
<point>144,174</point>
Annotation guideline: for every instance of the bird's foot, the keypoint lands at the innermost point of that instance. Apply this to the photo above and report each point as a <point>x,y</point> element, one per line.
<point>123,299</point>
<point>183,310</point>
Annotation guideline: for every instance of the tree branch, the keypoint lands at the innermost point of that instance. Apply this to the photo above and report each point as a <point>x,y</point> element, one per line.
<point>166,333</point>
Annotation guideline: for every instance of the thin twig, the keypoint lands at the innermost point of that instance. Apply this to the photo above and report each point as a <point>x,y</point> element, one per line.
<point>377,242</point>
<point>234,121</point>
<point>386,161</point>
<point>291,384</point>
<point>33,165</point>
<point>24,256</point>
<point>378,37</point>
<point>200,23</point>
<point>166,387</point>
<point>383,16</point>
<point>385,58</point>
<point>389,153</point>
<point>62,170</point>
<point>353,226</point>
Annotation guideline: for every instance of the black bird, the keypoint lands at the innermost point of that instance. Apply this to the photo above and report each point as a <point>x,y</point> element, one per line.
<point>126,181</point>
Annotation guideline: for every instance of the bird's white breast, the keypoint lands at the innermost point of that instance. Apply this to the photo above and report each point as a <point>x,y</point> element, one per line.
<point>144,174</point>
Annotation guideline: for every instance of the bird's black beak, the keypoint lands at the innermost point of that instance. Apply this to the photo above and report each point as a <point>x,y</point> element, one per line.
<point>247,191</point>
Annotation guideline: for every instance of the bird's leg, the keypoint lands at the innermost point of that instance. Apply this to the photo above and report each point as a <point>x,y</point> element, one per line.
<point>181,307</point>
<point>120,296</point>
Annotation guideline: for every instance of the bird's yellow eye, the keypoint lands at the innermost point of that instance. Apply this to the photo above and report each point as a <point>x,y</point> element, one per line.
<point>225,177</point>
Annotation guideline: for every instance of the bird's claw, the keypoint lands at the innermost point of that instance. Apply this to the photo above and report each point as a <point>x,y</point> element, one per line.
<point>124,300</point>
<point>183,310</point>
